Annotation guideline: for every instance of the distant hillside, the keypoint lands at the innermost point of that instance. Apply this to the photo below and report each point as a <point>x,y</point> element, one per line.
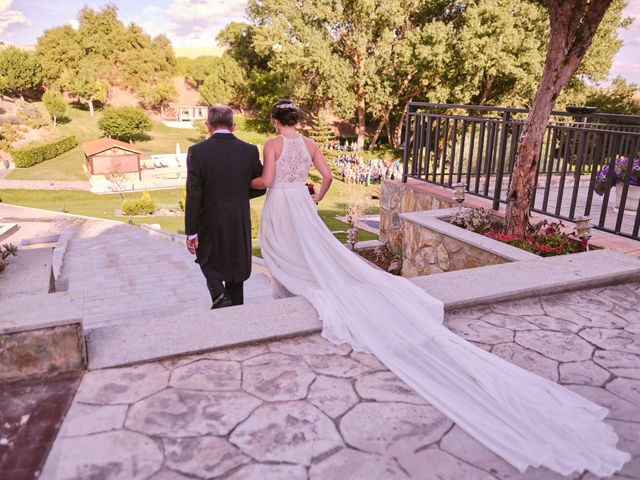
<point>194,52</point>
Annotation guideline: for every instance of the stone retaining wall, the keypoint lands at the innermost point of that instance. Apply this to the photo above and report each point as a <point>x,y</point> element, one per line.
<point>38,353</point>
<point>432,245</point>
<point>397,198</point>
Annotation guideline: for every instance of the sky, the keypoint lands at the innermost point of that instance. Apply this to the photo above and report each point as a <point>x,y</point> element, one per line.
<point>195,23</point>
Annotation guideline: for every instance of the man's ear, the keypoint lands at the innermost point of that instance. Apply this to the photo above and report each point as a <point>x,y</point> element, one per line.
<point>209,127</point>
<point>232,127</point>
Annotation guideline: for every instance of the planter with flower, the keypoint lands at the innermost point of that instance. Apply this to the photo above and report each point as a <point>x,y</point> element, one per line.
<point>624,169</point>
<point>544,239</point>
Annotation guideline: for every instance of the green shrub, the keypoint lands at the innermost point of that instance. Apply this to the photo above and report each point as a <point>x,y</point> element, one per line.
<point>144,205</point>
<point>38,152</point>
<point>255,223</point>
<point>183,199</point>
<point>124,123</point>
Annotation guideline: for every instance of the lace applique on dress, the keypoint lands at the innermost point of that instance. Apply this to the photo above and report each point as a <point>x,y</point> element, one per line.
<point>294,162</point>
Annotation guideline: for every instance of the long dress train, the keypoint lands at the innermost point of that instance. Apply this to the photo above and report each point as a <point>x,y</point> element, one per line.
<point>525,419</point>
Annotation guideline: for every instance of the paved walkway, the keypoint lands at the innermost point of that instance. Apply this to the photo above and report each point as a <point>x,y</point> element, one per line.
<point>306,409</point>
<point>45,184</point>
<point>127,275</point>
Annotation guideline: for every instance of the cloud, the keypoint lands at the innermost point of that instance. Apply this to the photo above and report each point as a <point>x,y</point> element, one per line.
<point>196,22</point>
<point>9,19</point>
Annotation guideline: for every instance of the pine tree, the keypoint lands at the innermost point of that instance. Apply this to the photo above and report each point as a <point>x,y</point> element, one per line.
<point>322,132</point>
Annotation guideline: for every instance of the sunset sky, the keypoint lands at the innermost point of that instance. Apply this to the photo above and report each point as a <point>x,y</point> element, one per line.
<point>192,24</point>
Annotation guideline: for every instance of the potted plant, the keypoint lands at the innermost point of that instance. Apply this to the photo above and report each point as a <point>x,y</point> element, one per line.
<point>624,168</point>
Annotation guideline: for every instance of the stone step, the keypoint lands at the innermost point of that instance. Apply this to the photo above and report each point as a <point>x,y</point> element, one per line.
<point>199,331</point>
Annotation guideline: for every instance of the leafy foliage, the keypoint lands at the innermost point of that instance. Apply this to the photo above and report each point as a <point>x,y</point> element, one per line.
<point>6,250</point>
<point>38,152</point>
<point>55,104</point>
<point>20,71</point>
<point>102,52</point>
<point>158,96</point>
<point>479,220</point>
<point>124,123</point>
<point>225,83</point>
<point>145,205</point>
<point>620,98</point>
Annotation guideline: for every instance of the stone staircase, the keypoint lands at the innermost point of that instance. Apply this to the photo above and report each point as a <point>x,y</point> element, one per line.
<point>135,283</point>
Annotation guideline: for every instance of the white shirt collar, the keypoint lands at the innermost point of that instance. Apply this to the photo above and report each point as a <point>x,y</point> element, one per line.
<point>221,130</point>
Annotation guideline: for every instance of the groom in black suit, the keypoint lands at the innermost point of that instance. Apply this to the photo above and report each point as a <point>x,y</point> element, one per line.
<point>217,214</point>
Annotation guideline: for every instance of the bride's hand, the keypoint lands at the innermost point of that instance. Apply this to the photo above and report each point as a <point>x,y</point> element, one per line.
<point>315,198</point>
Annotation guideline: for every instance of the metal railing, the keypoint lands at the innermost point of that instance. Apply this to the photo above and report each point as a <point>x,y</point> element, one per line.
<point>476,145</point>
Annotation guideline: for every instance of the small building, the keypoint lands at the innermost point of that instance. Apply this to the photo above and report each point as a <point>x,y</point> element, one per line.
<point>107,155</point>
<point>192,113</point>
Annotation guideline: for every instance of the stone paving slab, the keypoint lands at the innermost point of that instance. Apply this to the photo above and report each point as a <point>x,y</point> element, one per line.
<point>304,408</point>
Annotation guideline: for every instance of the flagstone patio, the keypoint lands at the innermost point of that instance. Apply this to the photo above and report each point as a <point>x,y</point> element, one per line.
<point>306,409</point>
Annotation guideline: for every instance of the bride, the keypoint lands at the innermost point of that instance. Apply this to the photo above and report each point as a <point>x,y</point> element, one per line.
<point>524,418</point>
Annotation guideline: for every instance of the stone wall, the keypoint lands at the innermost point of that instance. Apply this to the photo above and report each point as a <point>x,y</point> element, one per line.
<point>38,353</point>
<point>396,198</point>
<point>426,252</point>
<point>430,244</point>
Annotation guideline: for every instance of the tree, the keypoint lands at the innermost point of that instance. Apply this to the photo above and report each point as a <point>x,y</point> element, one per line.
<point>573,25</point>
<point>225,83</point>
<point>58,49</point>
<point>85,84</point>
<point>197,69</point>
<point>21,70</point>
<point>124,123</point>
<point>619,98</point>
<point>322,131</point>
<point>158,96</point>
<point>55,104</point>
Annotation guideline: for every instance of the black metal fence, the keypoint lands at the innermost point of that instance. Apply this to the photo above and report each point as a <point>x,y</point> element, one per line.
<point>476,145</point>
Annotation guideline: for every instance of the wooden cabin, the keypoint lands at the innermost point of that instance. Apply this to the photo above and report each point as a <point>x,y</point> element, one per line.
<point>107,155</point>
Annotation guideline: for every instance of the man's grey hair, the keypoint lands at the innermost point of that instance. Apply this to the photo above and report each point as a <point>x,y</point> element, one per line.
<point>220,115</point>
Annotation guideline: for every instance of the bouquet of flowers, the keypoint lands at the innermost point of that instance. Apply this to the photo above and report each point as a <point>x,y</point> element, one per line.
<point>312,188</point>
<point>623,167</point>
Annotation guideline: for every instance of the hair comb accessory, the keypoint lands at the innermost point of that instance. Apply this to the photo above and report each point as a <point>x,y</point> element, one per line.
<point>286,105</point>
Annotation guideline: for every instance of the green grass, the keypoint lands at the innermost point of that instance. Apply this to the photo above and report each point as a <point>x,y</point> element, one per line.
<point>104,206</point>
<point>161,139</point>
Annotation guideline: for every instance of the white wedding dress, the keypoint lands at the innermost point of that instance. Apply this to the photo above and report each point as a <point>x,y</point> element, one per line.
<point>525,419</point>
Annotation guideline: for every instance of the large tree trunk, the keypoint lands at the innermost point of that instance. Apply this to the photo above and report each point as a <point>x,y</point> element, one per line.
<point>378,131</point>
<point>397,135</point>
<point>573,23</point>
<point>361,131</point>
<point>388,127</point>
<point>91,106</point>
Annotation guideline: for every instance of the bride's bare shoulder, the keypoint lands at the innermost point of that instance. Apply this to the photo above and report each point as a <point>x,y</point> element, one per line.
<point>274,142</point>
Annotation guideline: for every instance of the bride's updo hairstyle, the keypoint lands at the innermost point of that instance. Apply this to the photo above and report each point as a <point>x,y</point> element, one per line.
<point>286,112</point>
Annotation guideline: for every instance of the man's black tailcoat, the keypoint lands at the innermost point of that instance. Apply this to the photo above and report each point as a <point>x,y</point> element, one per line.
<point>219,173</point>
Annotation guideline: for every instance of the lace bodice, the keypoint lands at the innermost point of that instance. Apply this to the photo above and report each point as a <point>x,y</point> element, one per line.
<point>294,162</point>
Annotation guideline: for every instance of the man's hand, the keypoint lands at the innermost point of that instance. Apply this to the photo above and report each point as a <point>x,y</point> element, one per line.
<point>192,245</point>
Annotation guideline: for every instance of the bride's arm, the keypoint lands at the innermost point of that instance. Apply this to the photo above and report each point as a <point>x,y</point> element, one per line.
<point>268,168</point>
<point>323,168</point>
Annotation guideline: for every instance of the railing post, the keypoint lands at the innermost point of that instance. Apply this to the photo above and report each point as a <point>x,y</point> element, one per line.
<point>497,189</point>
<point>407,136</point>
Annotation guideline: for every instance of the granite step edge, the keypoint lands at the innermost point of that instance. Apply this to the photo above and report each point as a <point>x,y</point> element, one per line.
<point>197,332</point>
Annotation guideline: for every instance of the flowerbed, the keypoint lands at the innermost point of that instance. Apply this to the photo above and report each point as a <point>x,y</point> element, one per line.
<point>383,258</point>
<point>623,168</point>
<point>545,238</point>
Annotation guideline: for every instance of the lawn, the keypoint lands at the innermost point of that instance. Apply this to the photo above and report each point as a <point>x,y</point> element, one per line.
<point>161,139</point>
<point>104,206</point>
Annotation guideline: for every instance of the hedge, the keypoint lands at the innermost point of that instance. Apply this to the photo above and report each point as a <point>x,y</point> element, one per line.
<point>38,152</point>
